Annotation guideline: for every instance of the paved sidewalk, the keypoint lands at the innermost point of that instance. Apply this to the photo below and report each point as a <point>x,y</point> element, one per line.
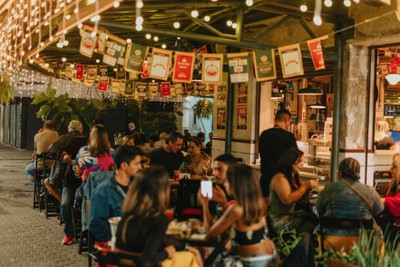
<point>27,237</point>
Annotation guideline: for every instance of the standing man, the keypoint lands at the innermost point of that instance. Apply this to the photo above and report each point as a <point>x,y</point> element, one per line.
<point>271,145</point>
<point>169,155</point>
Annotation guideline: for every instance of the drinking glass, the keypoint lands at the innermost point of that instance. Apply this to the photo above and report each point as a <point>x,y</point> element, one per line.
<point>206,166</point>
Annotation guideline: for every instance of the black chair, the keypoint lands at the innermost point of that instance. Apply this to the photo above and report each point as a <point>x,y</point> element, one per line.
<point>41,173</point>
<point>51,204</point>
<point>381,181</point>
<point>117,258</point>
<point>188,205</point>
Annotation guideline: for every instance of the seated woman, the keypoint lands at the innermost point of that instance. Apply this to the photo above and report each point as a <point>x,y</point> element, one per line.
<point>289,197</point>
<point>245,216</point>
<point>143,224</point>
<point>392,196</point>
<point>382,139</point>
<point>196,162</point>
<point>347,199</point>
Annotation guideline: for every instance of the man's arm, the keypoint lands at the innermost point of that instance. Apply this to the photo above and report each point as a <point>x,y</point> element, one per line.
<point>98,216</point>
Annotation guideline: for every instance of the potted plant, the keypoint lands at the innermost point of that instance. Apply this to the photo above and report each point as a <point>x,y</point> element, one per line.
<point>6,90</point>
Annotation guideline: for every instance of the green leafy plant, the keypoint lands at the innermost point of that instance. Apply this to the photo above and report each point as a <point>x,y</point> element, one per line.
<point>6,90</point>
<point>286,241</point>
<point>203,109</point>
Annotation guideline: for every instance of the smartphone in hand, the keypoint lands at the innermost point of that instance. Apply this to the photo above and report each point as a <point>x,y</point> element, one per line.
<point>206,188</point>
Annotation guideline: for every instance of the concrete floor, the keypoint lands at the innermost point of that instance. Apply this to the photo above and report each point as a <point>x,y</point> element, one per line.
<point>27,238</point>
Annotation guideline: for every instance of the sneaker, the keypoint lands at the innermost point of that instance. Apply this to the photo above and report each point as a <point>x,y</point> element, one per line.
<point>67,240</point>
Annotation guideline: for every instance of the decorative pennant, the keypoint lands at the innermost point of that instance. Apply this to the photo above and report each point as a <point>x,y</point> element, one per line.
<point>153,89</point>
<point>135,56</point>
<point>114,47</point>
<point>103,83</point>
<point>159,66</point>
<point>88,83</point>
<point>317,54</point>
<point>183,67</point>
<point>133,76</point>
<point>79,71</point>
<point>129,88</point>
<point>115,86</point>
<point>141,90</point>
<point>101,42</point>
<point>212,68</point>
<point>179,89</point>
<point>91,72</point>
<point>121,75</point>
<point>291,62</point>
<point>88,44</point>
<point>165,89</point>
<point>69,72</point>
<point>172,90</point>
<point>264,65</point>
<point>238,67</point>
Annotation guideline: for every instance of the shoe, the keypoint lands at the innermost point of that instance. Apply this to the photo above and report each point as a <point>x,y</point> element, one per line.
<point>67,240</point>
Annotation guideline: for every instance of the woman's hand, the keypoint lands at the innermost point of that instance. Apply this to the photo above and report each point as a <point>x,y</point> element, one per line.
<point>310,184</point>
<point>170,251</point>
<point>202,199</point>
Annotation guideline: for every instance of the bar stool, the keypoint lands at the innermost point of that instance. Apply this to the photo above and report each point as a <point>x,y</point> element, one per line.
<point>41,172</point>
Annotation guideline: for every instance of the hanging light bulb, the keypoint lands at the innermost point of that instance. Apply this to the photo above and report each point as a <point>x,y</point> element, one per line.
<point>139,20</point>
<point>72,66</point>
<point>303,8</point>
<point>356,1</point>
<point>139,3</point>
<point>139,28</point>
<point>148,36</point>
<point>317,13</point>
<point>249,2</point>
<point>207,18</point>
<point>317,20</point>
<point>229,22</point>
<point>194,13</point>
<point>177,25</point>
<point>129,40</point>
<point>116,4</point>
<point>80,25</point>
<point>65,42</point>
<point>97,61</point>
<point>155,38</point>
<point>64,59</point>
<point>91,1</point>
<point>46,65</point>
<point>60,45</point>
<point>95,18</point>
<point>37,55</point>
<point>234,25</point>
<point>328,3</point>
<point>163,46</point>
<point>347,3</point>
<point>31,61</point>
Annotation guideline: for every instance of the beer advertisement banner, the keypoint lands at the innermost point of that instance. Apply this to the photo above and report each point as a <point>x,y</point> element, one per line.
<point>135,56</point>
<point>238,67</point>
<point>141,90</point>
<point>183,67</point>
<point>153,89</point>
<point>264,65</point>
<point>79,71</point>
<point>165,89</point>
<point>316,53</point>
<point>88,44</point>
<point>159,66</point>
<point>103,84</point>
<point>212,68</point>
<point>129,88</point>
<point>91,72</point>
<point>114,47</point>
<point>69,72</point>
<point>291,62</point>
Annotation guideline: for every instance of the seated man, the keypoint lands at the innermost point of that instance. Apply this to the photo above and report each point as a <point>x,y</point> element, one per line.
<point>107,198</point>
<point>42,140</point>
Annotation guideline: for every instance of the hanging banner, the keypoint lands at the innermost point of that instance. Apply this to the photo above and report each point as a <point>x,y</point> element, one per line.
<point>159,65</point>
<point>291,62</point>
<point>264,65</point>
<point>172,90</point>
<point>88,83</point>
<point>114,47</point>
<point>316,53</point>
<point>101,42</point>
<point>133,76</point>
<point>88,44</point>
<point>238,67</point>
<point>103,84</point>
<point>179,89</point>
<point>153,89</point>
<point>91,72</point>
<point>141,90</point>
<point>120,73</point>
<point>69,72</point>
<point>135,56</point>
<point>129,88</point>
<point>183,67</point>
<point>212,68</point>
<point>165,89</point>
<point>79,71</point>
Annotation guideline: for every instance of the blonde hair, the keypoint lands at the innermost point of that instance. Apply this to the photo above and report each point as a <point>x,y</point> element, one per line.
<point>381,130</point>
<point>98,141</point>
<point>394,185</point>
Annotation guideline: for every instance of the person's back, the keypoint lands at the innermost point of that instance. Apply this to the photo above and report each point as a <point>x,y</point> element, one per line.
<point>45,138</point>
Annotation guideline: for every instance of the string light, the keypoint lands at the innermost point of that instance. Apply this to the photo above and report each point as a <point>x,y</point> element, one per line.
<point>229,22</point>
<point>194,13</point>
<point>163,46</point>
<point>347,3</point>
<point>155,38</point>
<point>207,18</point>
<point>148,36</point>
<point>177,25</point>
<point>328,3</point>
<point>116,4</point>
<point>303,8</point>
<point>249,2</point>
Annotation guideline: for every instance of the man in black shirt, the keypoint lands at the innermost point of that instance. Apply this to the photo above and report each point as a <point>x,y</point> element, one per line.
<point>271,145</point>
<point>169,155</point>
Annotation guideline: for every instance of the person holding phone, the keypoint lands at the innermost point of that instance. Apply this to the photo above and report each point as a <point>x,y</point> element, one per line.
<point>246,218</point>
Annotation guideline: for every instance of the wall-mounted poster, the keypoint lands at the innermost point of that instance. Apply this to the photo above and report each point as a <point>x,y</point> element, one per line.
<point>291,62</point>
<point>114,47</point>
<point>221,117</point>
<point>153,89</point>
<point>135,56</point>
<point>316,53</point>
<point>238,67</point>
<point>183,67</point>
<point>242,117</point>
<point>264,65</point>
<point>212,68</point>
<point>159,65</point>
<point>69,72</point>
<point>88,44</point>
<point>242,94</point>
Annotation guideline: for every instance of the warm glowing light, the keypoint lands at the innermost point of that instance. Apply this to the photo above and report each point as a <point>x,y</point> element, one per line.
<point>80,25</point>
<point>97,60</point>
<point>31,61</point>
<point>155,38</point>
<point>139,4</point>
<point>95,18</point>
<point>207,18</point>
<point>139,20</point>
<point>328,3</point>
<point>116,4</point>
<point>64,59</point>
<point>46,65</point>
<point>139,28</point>
<point>177,25</point>
<point>163,46</point>
<point>229,22</point>
<point>303,8</point>
<point>194,13</point>
<point>72,66</point>
<point>66,42</point>
<point>148,36</point>
<point>234,25</point>
<point>317,20</point>
<point>347,3</point>
<point>249,2</point>
<point>91,1</point>
<point>128,41</point>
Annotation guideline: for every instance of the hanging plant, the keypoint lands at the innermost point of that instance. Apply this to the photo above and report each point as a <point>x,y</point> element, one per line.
<point>203,109</point>
<point>6,90</point>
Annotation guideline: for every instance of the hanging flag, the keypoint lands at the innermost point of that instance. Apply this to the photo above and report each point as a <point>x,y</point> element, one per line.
<point>264,65</point>
<point>141,90</point>
<point>101,41</point>
<point>114,48</point>
<point>88,44</point>
<point>69,72</point>
<point>79,71</point>
<point>129,88</point>
<point>212,68</point>
<point>238,67</point>
<point>91,72</point>
<point>291,62</point>
<point>135,56</point>
<point>316,53</point>
<point>165,89</point>
<point>153,89</point>
<point>159,66</point>
<point>183,67</point>
<point>103,84</point>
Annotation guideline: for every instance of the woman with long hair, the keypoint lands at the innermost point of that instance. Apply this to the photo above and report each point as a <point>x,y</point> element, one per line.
<point>288,196</point>
<point>143,224</point>
<point>246,217</point>
<point>97,156</point>
<point>382,138</point>
<point>197,162</point>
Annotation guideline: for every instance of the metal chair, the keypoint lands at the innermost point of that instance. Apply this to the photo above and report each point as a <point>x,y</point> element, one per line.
<point>188,205</point>
<point>41,173</point>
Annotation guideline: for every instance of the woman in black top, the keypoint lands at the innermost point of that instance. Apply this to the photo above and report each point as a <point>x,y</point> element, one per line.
<point>143,224</point>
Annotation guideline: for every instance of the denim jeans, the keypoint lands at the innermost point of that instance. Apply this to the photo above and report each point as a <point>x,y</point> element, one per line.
<point>30,172</point>
<point>67,201</point>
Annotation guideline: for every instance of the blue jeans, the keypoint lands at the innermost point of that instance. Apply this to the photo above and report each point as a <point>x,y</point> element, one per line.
<point>67,201</point>
<point>30,172</point>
